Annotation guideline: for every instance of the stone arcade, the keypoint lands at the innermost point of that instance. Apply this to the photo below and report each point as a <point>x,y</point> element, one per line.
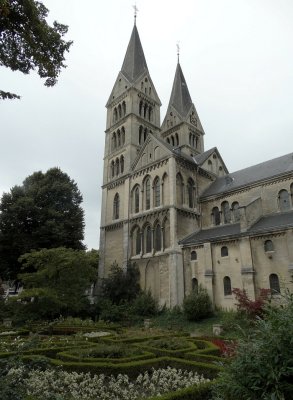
<point>173,208</point>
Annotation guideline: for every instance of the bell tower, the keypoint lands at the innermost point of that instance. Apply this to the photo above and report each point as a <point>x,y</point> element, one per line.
<point>133,111</point>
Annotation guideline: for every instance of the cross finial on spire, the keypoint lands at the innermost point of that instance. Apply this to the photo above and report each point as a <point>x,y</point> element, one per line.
<point>178,51</point>
<point>135,13</point>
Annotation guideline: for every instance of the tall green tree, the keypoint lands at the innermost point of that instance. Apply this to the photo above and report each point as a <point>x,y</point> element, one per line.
<point>58,281</point>
<point>45,212</point>
<point>29,43</point>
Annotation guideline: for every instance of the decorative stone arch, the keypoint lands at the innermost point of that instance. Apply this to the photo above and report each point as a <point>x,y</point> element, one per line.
<point>123,108</point>
<point>210,166</point>
<point>116,206</point>
<point>114,141</point>
<point>135,235</point>
<point>235,211</point>
<point>157,236</point>
<point>191,193</point>
<point>147,238</point>
<point>122,135</point>
<point>147,184</point>
<point>117,166</point>
<point>140,106</point>
<point>227,286</point>
<point>274,284</point>
<point>216,216</point>
<point>176,139</point>
<point>112,168</point>
<point>121,164</point>
<point>115,115</point>
<point>118,138</point>
<point>140,135</point>
<point>119,111</point>
<point>135,198</point>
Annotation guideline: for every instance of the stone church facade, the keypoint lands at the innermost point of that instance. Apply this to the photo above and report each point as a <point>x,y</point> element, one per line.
<point>174,209</point>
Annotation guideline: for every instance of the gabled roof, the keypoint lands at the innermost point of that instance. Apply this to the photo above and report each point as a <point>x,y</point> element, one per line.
<point>180,98</point>
<point>268,169</point>
<point>201,158</point>
<point>134,64</point>
<point>268,223</point>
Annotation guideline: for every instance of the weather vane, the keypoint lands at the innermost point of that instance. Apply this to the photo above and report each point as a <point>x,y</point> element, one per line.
<point>135,12</point>
<point>178,50</point>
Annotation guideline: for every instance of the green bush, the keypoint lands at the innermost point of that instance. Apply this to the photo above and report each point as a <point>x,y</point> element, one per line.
<point>197,305</point>
<point>145,305</point>
<point>263,366</point>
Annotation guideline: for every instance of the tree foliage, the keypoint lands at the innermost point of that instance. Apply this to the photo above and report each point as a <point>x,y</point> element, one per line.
<point>44,212</point>
<point>251,308</point>
<point>263,366</point>
<point>197,305</point>
<point>121,285</point>
<point>59,280</point>
<point>29,43</point>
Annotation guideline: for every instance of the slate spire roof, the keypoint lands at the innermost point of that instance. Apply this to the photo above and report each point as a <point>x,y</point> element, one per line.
<point>180,98</point>
<point>134,63</point>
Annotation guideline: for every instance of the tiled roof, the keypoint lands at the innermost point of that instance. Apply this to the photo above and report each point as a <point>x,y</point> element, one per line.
<point>273,222</point>
<point>255,173</point>
<point>134,63</point>
<point>212,234</point>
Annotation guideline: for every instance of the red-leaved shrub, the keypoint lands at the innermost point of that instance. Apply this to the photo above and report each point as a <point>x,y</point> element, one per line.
<point>252,308</point>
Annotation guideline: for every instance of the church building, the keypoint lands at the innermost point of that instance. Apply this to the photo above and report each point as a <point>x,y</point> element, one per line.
<point>174,209</point>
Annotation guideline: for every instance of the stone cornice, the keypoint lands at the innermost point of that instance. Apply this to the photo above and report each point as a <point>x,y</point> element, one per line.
<point>145,170</point>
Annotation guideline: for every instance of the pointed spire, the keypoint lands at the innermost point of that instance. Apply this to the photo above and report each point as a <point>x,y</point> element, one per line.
<point>180,98</point>
<point>134,63</point>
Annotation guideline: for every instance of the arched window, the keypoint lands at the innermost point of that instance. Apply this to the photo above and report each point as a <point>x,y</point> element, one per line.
<point>165,189</point>
<point>136,200</point>
<point>166,234</point>
<point>118,138</point>
<point>140,139</point>
<point>158,238</point>
<point>117,166</point>
<point>172,141</point>
<point>193,140</point>
<point>147,194</point>
<point>145,108</point>
<point>115,115</point>
<point>157,193</point>
<point>112,169</point>
<point>150,113</point>
<point>168,140</point>
<point>177,139</point>
<point>196,141</point>
<point>148,239</point>
<point>224,251</point>
<point>124,108</point>
<point>190,190</point>
<point>268,245</point>
<point>193,256</point>
<point>210,165</point>
<point>116,206</point>
<point>226,212</point>
<point>137,241</point>
<point>227,286</point>
<point>216,216</point>
<point>284,202</point>
<point>236,211</point>
<point>114,142</point>
<point>179,189</point>
<point>274,284</point>
<point>122,135</point>
<point>140,105</point>
<point>194,285</point>
<point>145,134</point>
<point>122,164</point>
<point>120,111</point>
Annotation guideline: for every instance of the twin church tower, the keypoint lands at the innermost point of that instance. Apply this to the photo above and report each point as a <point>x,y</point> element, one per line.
<point>153,176</point>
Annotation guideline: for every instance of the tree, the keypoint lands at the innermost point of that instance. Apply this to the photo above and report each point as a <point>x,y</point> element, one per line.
<point>263,366</point>
<point>29,43</point>
<point>44,212</point>
<point>197,305</point>
<point>121,285</point>
<point>59,280</point>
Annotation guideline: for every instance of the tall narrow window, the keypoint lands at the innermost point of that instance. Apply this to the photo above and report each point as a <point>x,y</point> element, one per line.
<point>172,141</point>
<point>274,284</point>
<point>227,286</point>
<point>119,111</point>
<point>115,115</point>
<point>166,234</point>
<point>117,166</point>
<point>140,140</point>
<point>145,110</point>
<point>116,206</point>
<point>121,164</point>
<point>137,241</point>
<point>158,238</point>
<point>190,189</point>
<point>268,246</point>
<point>118,138</point>
<point>147,194</point>
<point>157,194</point>
<point>136,199</point>
<point>112,169</point>
<point>124,108</point>
<point>236,211</point>
<point>226,212</point>
<point>216,216</point>
<point>148,239</point>
<point>140,107</point>
<point>284,202</point>
<point>177,139</point>
<point>224,251</point>
<point>123,135</point>
<point>179,189</point>
<point>114,142</point>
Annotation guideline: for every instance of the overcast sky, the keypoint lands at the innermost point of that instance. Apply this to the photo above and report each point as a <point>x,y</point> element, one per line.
<point>237,58</point>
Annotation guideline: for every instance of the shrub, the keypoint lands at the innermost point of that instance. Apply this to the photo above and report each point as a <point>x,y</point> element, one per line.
<point>197,305</point>
<point>252,308</point>
<point>262,368</point>
<point>145,305</point>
